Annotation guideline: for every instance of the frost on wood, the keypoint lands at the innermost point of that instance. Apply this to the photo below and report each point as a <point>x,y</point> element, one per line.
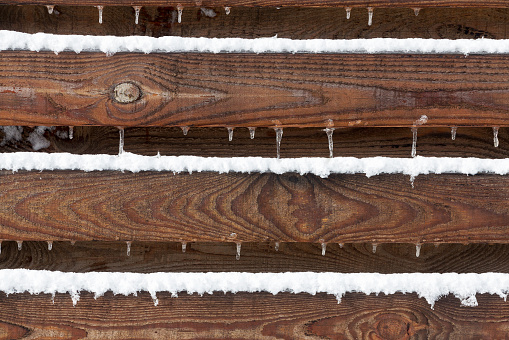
<point>428,286</point>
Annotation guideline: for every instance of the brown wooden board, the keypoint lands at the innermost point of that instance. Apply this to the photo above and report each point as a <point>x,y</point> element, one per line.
<point>150,257</point>
<point>243,90</point>
<point>151,206</point>
<point>256,22</point>
<point>251,316</point>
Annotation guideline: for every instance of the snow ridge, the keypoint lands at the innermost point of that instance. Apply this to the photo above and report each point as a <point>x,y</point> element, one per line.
<point>322,167</point>
<point>11,40</point>
<point>429,286</point>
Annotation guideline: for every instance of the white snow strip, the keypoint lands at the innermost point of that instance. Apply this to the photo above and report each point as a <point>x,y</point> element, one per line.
<point>429,286</point>
<point>322,167</point>
<point>10,40</point>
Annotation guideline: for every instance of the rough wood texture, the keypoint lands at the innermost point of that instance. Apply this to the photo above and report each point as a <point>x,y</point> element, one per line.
<point>295,23</point>
<point>150,257</point>
<point>66,205</point>
<point>251,316</point>
<point>265,90</point>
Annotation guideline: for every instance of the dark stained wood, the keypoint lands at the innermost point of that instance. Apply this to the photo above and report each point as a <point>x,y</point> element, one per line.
<point>148,206</point>
<point>265,90</point>
<point>255,22</point>
<point>251,316</point>
<point>150,257</point>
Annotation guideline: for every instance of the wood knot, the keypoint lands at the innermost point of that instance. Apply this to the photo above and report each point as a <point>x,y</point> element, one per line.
<point>126,93</point>
<point>392,328</point>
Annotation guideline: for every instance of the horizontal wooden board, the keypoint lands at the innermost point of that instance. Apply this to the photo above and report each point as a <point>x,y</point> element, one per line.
<point>67,205</point>
<point>255,22</point>
<point>309,142</point>
<point>259,90</point>
<point>151,257</point>
<point>251,316</point>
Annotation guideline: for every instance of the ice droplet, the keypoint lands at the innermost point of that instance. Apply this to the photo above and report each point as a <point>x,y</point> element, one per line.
<point>370,16</point>
<point>73,242</point>
<point>276,246</point>
<point>324,248</point>
<point>100,9</point>
<point>495,136</point>
<point>184,247</point>
<point>50,245</point>
<point>71,132</point>
<point>128,248</point>
<point>50,9</point>
<point>239,245</point>
<point>136,14</point>
<point>230,133</point>
<point>348,11</point>
<point>279,136</point>
<point>185,130</point>
<point>227,10</point>
<point>20,244</point>
<point>179,10</point>
<point>330,132</point>
<point>414,141</point>
<point>416,11</point>
<point>121,141</point>
<point>453,132</point>
<point>417,250</point>
<point>252,132</point>
<point>341,245</point>
<point>374,247</point>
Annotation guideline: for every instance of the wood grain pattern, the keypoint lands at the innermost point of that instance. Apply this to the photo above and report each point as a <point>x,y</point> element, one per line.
<point>242,90</point>
<point>251,316</point>
<point>256,22</point>
<point>151,257</point>
<point>66,205</point>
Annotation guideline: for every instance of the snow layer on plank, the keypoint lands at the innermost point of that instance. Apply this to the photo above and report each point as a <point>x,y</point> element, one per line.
<point>10,40</point>
<point>322,167</point>
<point>429,286</point>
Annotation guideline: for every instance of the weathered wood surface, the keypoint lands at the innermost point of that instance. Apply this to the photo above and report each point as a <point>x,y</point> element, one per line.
<point>310,142</point>
<point>251,316</point>
<point>265,90</point>
<point>243,22</point>
<point>150,257</point>
<point>67,205</point>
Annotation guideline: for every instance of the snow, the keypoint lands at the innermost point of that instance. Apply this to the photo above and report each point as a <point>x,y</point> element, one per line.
<point>322,167</point>
<point>428,286</point>
<point>10,40</point>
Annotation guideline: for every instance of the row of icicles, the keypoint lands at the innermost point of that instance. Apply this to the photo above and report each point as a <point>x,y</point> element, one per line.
<point>226,9</point>
<point>238,244</point>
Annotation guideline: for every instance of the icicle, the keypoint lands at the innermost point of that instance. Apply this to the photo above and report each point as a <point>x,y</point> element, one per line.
<point>100,8</point>
<point>329,132</point>
<point>453,132</point>
<point>71,132</point>
<point>238,251</point>
<point>370,16</point>
<point>279,136</point>
<point>20,244</point>
<point>184,247</point>
<point>0,247</point>
<point>414,141</point>
<point>276,246</point>
<point>50,8</point>
<point>348,11</point>
<point>73,242</point>
<point>227,10</point>
<point>341,245</point>
<point>128,248</point>
<point>374,247</point>
<point>252,132</point>
<point>121,141</point>
<point>185,130</point>
<point>324,248</point>
<point>230,133</point>
<point>50,245</point>
<point>495,136</point>
<point>136,14</point>
<point>180,9</point>
<point>416,11</point>
<point>417,250</point>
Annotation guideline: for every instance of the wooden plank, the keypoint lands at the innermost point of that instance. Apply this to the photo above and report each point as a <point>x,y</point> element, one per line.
<point>67,205</point>
<point>242,90</point>
<point>255,22</point>
<point>151,257</point>
<point>253,316</point>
